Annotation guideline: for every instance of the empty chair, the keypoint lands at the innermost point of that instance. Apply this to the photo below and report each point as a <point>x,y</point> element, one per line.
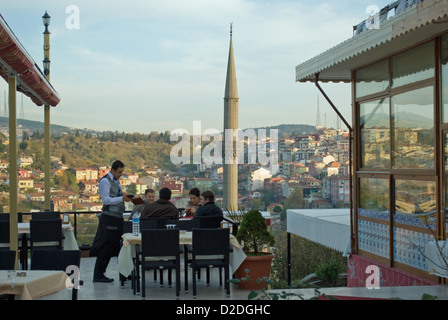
<point>46,233</point>
<point>58,260</point>
<point>151,224</point>
<point>210,221</point>
<point>160,251</point>
<point>210,248</point>
<point>7,262</point>
<point>46,215</point>
<point>4,234</point>
<point>186,225</point>
<point>5,240</point>
<point>7,259</point>
<point>127,226</point>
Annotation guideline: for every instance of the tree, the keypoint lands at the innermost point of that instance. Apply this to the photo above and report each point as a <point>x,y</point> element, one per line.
<point>294,201</point>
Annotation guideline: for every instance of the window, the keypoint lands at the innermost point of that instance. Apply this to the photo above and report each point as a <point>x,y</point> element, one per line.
<point>374,198</point>
<point>413,65</point>
<point>413,124</point>
<point>375,134</point>
<point>444,71</point>
<point>372,79</point>
<point>415,200</point>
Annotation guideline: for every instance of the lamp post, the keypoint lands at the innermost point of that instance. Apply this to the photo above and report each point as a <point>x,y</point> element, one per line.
<point>46,63</point>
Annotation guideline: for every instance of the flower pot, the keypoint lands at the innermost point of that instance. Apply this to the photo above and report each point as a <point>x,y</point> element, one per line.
<point>259,267</point>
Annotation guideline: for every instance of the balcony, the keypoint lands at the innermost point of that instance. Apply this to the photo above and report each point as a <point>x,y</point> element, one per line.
<point>115,291</point>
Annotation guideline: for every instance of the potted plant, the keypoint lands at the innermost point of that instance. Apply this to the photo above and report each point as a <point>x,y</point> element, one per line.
<point>253,235</point>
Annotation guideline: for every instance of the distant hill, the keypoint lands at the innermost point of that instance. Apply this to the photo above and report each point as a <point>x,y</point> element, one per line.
<point>403,119</point>
<point>57,130</point>
<point>34,126</point>
<point>291,129</point>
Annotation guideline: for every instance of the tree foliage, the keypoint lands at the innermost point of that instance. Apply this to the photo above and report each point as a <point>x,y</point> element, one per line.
<point>253,232</point>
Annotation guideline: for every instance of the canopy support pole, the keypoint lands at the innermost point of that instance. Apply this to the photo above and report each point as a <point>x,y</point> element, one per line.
<point>13,180</point>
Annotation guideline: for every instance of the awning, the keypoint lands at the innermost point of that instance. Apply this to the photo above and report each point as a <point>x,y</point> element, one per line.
<point>329,227</point>
<point>15,60</point>
<point>418,23</point>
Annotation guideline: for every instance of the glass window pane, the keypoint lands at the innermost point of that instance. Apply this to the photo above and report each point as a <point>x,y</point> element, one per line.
<point>444,62</point>
<point>372,79</point>
<point>445,190</point>
<point>414,200</point>
<point>413,121</point>
<point>375,134</point>
<point>374,198</point>
<point>413,65</point>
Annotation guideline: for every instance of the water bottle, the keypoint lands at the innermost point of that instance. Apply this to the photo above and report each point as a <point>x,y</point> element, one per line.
<point>136,224</point>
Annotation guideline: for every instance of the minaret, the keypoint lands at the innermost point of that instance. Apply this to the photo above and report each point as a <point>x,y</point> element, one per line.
<point>230,173</point>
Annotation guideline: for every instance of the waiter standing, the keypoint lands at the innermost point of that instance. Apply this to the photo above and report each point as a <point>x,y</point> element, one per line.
<point>110,226</point>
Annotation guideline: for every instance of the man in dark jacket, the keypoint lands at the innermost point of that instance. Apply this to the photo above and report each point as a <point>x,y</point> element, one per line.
<point>208,208</point>
<point>162,207</point>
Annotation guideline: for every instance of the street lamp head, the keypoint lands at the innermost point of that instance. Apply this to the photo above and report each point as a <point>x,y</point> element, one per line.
<point>46,19</point>
<point>46,62</point>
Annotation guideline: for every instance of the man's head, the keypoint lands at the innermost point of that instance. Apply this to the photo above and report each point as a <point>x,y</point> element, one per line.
<point>149,195</point>
<point>165,194</point>
<point>117,169</point>
<point>207,196</point>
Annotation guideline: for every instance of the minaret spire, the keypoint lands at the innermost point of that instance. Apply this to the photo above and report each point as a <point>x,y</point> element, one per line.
<point>230,174</point>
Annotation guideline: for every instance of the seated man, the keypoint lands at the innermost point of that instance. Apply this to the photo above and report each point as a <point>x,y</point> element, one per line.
<point>162,207</point>
<point>149,198</point>
<point>208,208</point>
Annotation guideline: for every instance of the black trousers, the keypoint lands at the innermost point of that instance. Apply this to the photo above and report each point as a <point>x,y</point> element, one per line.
<point>106,243</point>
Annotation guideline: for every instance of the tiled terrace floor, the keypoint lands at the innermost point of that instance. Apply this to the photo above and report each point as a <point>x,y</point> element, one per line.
<point>114,290</point>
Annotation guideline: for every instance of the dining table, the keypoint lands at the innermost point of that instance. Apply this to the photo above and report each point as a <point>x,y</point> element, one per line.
<point>32,284</point>
<point>127,251</point>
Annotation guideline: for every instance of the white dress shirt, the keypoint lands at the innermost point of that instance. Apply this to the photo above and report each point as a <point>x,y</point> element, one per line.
<point>104,187</point>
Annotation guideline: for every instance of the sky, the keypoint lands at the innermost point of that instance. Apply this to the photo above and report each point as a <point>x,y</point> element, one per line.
<point>157,65</point>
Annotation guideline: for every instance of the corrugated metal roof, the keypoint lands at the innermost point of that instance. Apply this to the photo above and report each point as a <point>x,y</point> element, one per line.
<point>416,24</point>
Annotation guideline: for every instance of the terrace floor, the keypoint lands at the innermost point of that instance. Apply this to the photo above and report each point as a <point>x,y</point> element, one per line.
<point>114,290</point>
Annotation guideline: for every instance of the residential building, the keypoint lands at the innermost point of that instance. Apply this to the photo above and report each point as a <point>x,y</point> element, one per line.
<point>201,183</point>
<point>175,186</point>
<point>258,177</point>
<point>85,174</point>
<point>88,186</point>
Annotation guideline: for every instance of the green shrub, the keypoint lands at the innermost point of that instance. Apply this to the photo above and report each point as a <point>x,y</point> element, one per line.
<point>253,232</point>
<point>329,272</point>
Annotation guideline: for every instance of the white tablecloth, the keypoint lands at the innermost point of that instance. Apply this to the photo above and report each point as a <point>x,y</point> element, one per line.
<point>35,284</point>
<point>127,252</point>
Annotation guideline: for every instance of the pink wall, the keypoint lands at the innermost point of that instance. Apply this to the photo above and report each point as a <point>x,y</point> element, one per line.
<point>389,277</point>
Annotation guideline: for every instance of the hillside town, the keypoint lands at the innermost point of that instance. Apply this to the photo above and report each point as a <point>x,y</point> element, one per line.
<point>317,163</point>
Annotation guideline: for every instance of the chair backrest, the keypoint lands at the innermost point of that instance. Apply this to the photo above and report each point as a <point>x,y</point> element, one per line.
<point>54,259</point>
<point>127,226</point>
<point>211,241</point>
<point>46,215</point>
<point>4,233</point>
<point>187,225</point>
<point>7,259</point>
<point>160,242</point>
<point>210,221</point>
<point>4,216</point>
<point>149,224</point>
<point>46,233</point>
<point>160,222</point>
